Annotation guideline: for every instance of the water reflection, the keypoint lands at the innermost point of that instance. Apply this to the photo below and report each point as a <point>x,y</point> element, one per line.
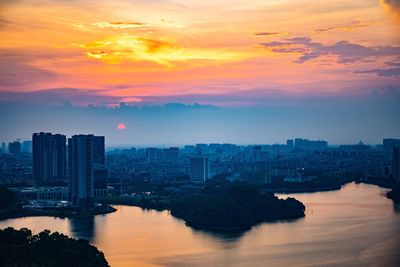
<point>354,226</point>
<point>83,228</point>
<point>224,236</point>
<point>396,207</point>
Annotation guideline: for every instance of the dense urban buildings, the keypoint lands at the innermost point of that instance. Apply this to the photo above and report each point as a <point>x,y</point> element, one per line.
<point>49,157</point>
<point>257,164</point>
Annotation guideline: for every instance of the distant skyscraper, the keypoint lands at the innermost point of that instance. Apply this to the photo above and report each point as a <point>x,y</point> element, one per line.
<point>199,169</point>
<point>49,157</point>
<point>81,169</point>
<point>3,147</point>
<point>396,163</point>
<point>14,147</point>
<point>27,146</point>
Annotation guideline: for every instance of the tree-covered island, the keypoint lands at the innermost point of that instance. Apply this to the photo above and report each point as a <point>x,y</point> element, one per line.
<point>222,206</point>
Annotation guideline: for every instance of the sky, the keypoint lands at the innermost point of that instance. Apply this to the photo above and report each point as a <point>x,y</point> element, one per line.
<point>201,71</point>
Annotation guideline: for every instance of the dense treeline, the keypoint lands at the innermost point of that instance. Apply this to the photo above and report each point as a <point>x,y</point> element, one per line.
<point>394,194</point>
<point>22,248</point>
<point>233,206</point>
<point>8,199</point>
<point>10,205</point>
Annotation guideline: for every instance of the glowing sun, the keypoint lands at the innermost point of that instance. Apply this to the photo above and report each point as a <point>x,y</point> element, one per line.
<point>121,126</point>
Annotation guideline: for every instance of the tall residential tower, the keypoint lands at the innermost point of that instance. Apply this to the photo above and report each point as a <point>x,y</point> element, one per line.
<point>49,157</point>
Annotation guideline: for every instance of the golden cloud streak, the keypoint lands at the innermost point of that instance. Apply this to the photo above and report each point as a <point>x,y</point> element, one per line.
<point>132,48</point>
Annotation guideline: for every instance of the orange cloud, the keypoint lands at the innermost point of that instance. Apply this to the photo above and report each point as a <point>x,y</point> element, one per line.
<point>120,25</point>
<point>132,48</point>
<point>271,33</point>
<point>393,8</point>
<point>350,27</point>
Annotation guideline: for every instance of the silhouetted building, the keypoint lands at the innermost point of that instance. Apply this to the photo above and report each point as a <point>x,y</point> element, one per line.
<point>389,143</point>
<point>99,156</point>
<point>154,154</point>
<point>396,163</point>
<point>49,156</point>
<point>14,147</point>
<point>27,146</point>
<point>306,144</point>
<point>201,149</point>
<point>290,144</point>
<point>81,169</point>
<point>199,169</point>
<point>3,148</point>
<point>171,154</point>
<point>100,171</point>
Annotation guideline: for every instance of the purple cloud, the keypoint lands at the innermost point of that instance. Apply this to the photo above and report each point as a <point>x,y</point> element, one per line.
<point>391,72</point>
<point>345,51</point>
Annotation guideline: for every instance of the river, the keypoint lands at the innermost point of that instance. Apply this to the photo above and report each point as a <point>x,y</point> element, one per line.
<point>354,226</point>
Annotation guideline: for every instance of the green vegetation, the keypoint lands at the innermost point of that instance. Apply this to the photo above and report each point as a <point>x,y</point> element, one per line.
<point>234,207</point>
<point>10,205</point>
<point>21,248</point>
<point>394,194</point>
<point>8,199</point>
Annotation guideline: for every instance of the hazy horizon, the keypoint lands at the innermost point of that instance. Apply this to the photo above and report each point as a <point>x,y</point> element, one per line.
<point>260,71</point>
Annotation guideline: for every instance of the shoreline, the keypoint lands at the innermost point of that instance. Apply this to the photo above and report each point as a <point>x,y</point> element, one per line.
<point>150,206</point>
<point>22,213</point>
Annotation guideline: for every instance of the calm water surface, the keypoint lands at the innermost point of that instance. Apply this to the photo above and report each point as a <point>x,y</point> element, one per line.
<point>354,226</point>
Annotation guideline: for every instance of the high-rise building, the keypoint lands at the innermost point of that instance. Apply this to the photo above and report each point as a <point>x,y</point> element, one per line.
<point>49,157</point>
<point>81,169</point>
<point>199,169</point>
<point>99,156</point>
<point>3,148</point>
<point>14,147</point>
<point>396,163</point>
<point>99,163</point>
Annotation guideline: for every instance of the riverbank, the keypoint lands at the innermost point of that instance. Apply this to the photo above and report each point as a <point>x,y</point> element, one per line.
<point>303,190</point>
<point>55,212</point>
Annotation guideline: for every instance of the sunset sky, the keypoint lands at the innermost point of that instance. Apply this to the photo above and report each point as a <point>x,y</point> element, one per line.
<point>229,54</point>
